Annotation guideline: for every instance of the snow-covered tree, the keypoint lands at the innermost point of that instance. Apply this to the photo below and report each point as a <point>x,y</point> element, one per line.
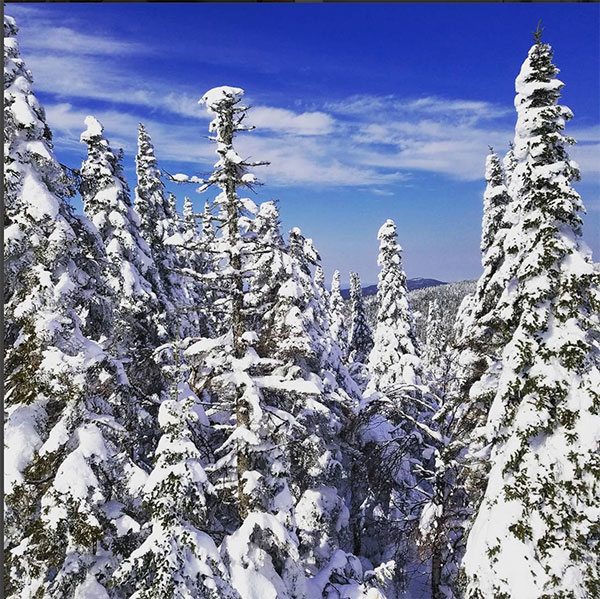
<point>477,344</point>
<point>508,164</point>
<point>321,458</point>
<point>394,359</point>
<point>360,341</point>
<point>270,268</point>
<point>69,480</point>
<point>435,349</point>
<point>195,265</point>
<point>129,269</point>
<point>263,551</point>
<point>391,416</point>
<point>337,324</point>
<point>157,217</point>
<point>322,293</point>
<point>178,558</point>
<point>537,524</point>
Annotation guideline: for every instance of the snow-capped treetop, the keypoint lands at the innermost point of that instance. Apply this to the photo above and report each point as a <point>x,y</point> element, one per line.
<point>208,231</point>
<point>319,280</point>
<point>360,340</point>
<point>219,95</point>
<point>337,321</point>
<point>158,221</point>
<point>508,164</point>
<point>94,129</point>
<point>30,138</point>
<point>156,211</point>
<point>107,203</point>
<point>394,358</point>
<point>495,201</point>
<point>190,225</point>
<point>10,26</point>
<point>387,232</point>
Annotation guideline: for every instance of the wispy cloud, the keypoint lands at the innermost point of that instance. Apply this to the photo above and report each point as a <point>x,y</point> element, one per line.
<point>373,105</point>
<point>303,162</point>
<point>45,33</point>
<point>287,121</point>
<point>376,140</point>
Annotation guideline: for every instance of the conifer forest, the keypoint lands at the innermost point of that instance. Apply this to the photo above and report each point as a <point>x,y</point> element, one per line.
<point>192,411</point>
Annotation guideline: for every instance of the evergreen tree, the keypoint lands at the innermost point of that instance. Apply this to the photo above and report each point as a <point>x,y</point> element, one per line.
<point>458,477</point>
<point>337,326</point>
<point>508,164</point>
<point>269,274</point>
<point>174,220</point>
<point>437,350</point>
<point>322,293</point>
<point>360,341</point>
<point>196,264</point>
<point>539,541</point>
<point>178,558</point>
<point>476,343</point>
<point>394,359</point>
<point>263,551</point>
<point>129,269</point>
<point>393,416</point>
<point>320,456</point>
<point>68,479</point>
<point>157,216</point>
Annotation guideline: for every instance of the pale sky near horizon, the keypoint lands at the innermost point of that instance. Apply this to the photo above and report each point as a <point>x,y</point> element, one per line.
<point>365,111</point>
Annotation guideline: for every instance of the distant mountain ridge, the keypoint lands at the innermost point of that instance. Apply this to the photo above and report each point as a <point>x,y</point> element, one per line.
<point>412,284</point>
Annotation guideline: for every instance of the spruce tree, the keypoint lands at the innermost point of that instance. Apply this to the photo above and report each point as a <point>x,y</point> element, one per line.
<point>141,324</point>
<point>263,550</point>
<point>157,216</point>
<point>337,326</point>
<point>394,359</point>
<point>69,480</point>
<point>195,264</point>
<point>435,343</point>
<point>269,274</point>
<point>537,523</point>
<point>394,419</point>
<point>360,340</point>
<point>459,474</point>
<point>179,557</point>
<point>320,455</point>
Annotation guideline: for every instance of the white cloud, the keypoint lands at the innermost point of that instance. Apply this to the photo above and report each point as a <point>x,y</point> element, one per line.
<point>41,31</point>
<point>286,121</point>
<point>360,140</point>
<point>386,106</point>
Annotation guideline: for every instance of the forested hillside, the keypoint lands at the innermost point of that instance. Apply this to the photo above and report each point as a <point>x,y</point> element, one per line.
<point>191,411</point>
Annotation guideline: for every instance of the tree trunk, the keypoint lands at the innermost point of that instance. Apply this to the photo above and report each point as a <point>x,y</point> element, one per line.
<point>436,574</point>
<point>237,319</point>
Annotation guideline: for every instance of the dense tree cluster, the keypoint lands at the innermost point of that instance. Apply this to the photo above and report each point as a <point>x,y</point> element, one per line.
<point>191,413</point>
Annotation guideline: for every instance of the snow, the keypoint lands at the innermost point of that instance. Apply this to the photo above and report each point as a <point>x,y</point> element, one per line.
<point>21,441</point>
<point>75,476</point>
<point>252,570</point>
<point>90,588</point>
<point>308,421</point>
<point>40,202</point>
<point>217,94</point>
<point>22,112</point>
<point>180,178</point>
<point>206,345</point>
<point>233,156</point>
<point>175,239</point>
<point>295,386</point>
<point>93,129</point>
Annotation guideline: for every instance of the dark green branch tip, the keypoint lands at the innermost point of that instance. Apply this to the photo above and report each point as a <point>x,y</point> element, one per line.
<point>537,34</point>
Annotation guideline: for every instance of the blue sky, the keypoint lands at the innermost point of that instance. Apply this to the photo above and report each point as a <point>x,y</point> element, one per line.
<point>366,111</point>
